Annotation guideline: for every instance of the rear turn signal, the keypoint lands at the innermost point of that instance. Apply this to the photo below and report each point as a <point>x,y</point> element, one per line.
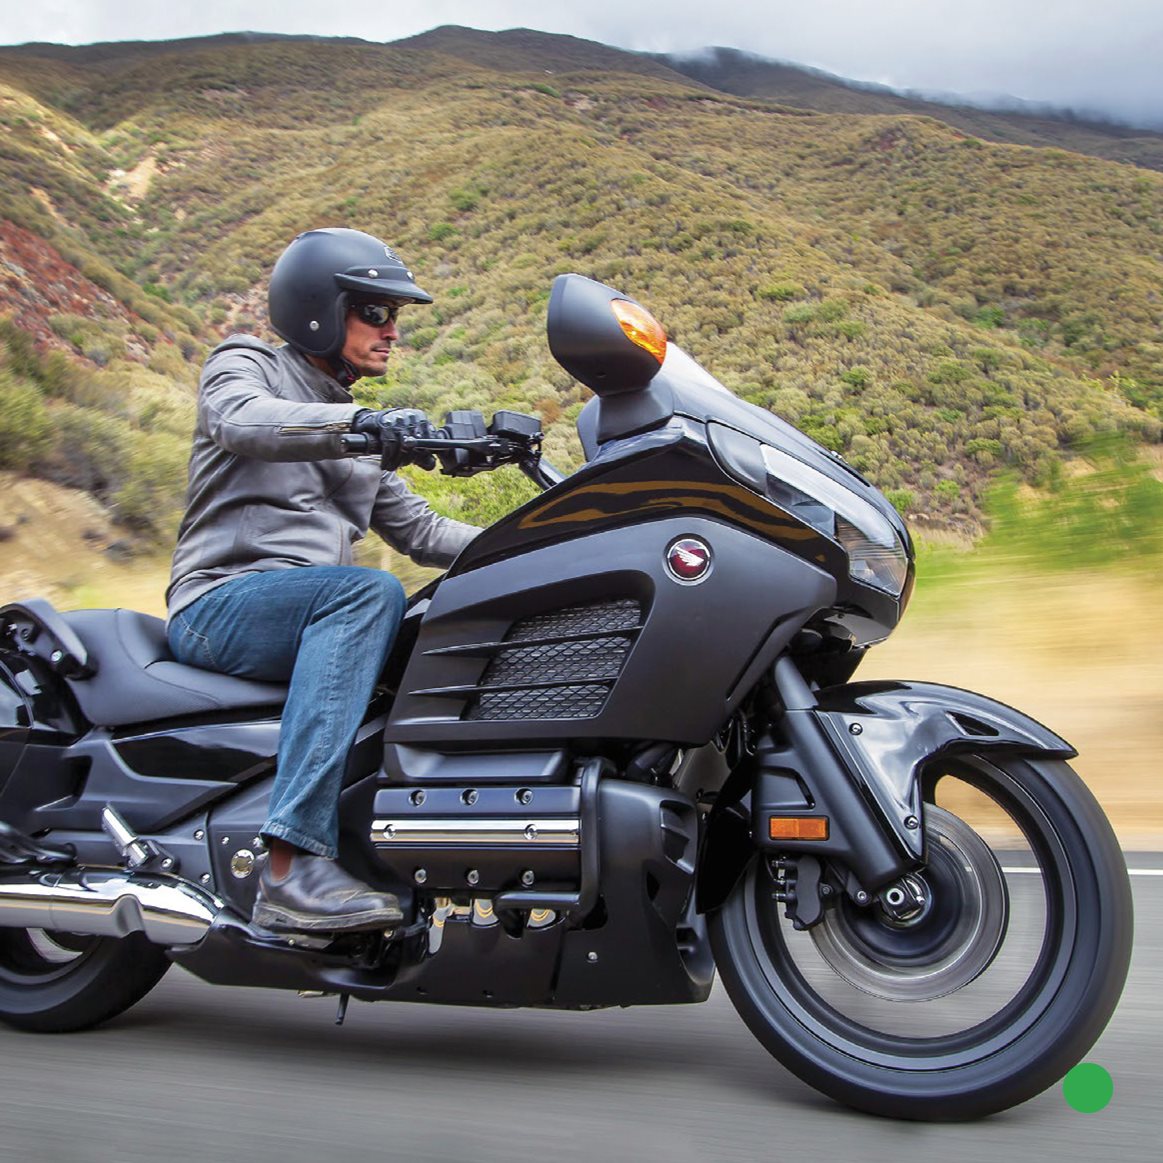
<point>798,827</point>
<point>641,328</point>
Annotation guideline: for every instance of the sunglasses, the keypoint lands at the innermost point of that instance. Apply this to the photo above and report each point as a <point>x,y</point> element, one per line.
<point>376,314</point>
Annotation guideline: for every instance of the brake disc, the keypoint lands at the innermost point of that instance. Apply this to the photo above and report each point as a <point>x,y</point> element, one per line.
<point>951,943</point>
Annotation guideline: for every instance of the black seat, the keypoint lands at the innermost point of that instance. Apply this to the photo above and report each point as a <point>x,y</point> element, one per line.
<point>137,679</point>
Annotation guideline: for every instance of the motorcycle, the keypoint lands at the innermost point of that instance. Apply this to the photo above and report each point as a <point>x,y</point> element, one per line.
<point>615,749</point>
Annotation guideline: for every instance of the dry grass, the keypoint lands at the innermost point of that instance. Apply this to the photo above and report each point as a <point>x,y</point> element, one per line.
<point>1082,653</point>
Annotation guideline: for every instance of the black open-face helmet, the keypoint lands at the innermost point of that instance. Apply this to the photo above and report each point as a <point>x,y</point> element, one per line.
<point>320,273</point>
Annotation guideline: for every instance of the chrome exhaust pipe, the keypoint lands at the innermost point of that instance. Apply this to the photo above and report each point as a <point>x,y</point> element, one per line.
<point>108,902</point>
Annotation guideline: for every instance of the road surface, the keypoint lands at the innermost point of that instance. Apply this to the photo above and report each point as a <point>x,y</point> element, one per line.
<point>197,1072</point>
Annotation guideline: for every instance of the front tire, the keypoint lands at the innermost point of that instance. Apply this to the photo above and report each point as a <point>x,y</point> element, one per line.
<point>827,1008</point>
<point>56,982</point>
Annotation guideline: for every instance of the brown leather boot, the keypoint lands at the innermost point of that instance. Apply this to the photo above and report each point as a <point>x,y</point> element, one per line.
<point>317,895</point>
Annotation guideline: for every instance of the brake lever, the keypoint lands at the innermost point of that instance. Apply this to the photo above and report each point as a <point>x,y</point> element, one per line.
<point>488,445</point>
<point>467,456</point>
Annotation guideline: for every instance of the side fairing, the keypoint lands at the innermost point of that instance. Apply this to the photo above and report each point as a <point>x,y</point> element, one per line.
<point>590,637</point>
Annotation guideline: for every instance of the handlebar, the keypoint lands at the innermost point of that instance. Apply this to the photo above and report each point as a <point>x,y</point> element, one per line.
<point>464,446</point>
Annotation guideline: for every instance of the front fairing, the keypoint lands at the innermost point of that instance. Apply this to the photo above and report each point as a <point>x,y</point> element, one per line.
<point>695,399</point>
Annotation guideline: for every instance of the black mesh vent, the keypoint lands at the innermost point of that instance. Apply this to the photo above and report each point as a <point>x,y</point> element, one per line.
<point>566,671</point>
<point>596,619</point>
<point>561,702</point>
<point>592,658</point>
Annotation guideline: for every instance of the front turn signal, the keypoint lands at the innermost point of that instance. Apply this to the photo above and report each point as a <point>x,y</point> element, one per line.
<point>798,827</point>
<point>641,328</point>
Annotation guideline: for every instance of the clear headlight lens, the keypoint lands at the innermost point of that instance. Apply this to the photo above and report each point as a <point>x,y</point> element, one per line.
<point>883,566</point>
<point>876,556</point>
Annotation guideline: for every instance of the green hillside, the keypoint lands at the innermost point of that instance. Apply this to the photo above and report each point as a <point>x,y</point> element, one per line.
<point>932,304</point>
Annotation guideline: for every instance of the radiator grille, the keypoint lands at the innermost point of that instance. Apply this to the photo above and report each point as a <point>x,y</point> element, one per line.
<point>557,665</point>
<point>596,619</point>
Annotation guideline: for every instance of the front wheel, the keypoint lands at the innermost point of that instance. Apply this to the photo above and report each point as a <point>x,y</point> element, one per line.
<point>985,997</point>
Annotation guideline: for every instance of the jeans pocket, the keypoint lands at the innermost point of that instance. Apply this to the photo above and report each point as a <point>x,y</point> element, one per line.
<point>188,646</point>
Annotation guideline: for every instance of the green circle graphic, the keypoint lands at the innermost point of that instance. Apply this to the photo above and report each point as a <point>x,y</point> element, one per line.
<point>1088,1087</point>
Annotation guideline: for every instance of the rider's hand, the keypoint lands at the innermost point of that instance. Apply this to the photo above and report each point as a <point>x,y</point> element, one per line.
<point>389,427</point>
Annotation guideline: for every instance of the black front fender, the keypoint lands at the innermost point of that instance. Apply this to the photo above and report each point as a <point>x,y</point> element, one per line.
<point>887,731</point>
<point>884,734</point>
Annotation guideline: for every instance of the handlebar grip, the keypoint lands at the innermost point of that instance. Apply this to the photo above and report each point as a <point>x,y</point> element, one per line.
<point>356,442</point>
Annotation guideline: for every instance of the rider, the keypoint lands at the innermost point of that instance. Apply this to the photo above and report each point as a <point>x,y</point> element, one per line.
<point>262,584</point>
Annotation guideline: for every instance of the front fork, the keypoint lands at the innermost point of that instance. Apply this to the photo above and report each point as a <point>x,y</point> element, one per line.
<point>840,788</point>
<point>795,800</point>
<point>818,825</point>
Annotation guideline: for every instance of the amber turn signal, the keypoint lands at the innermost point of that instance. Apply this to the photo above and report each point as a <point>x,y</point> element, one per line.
<point>641,327</point>
<point>798,827</point>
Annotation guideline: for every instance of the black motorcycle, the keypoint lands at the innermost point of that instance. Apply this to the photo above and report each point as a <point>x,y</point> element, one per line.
<point>615,749</point>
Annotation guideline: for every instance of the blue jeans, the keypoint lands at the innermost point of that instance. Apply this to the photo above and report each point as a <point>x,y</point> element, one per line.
<point>327,629</point>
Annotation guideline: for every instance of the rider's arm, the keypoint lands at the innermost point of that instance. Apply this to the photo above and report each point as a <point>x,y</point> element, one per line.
<point>407,523</point>
<point>256,402</point>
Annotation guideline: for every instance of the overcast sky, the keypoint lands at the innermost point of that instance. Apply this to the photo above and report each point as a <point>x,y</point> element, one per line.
<point>1092,55</point>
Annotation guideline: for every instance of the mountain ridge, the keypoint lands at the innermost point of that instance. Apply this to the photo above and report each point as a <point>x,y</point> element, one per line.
<point>750,75</point>
<point>933,305</point>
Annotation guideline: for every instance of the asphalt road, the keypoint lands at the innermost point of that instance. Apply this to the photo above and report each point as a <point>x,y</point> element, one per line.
<point>197,1072</point>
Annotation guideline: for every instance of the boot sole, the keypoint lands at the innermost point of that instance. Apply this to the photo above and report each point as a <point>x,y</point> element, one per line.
<point>273,917</point>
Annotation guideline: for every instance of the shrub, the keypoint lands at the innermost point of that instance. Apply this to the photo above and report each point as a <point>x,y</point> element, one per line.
<point>150,498</point>
<point>88,451</point>
<point>465,199</point>
<point>901,499</point>
<point>796,315</point>
<point>857,376</point>
<point>1110,515</point>
<point>831,310</point>
<point>990,317</point>
<point>780,292</point>
<point>21,358</point>
<point>25,428</point>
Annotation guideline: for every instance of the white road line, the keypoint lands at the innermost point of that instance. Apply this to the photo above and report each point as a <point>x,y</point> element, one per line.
<point>1130,871</point>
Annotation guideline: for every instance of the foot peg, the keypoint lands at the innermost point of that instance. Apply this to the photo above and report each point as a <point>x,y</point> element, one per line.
<point>135,851</point>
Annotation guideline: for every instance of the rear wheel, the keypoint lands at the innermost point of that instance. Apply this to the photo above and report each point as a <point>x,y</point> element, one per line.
<point>54,982</point>
<point>979,998</point>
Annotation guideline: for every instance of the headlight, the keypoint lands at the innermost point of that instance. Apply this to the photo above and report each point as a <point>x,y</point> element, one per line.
<point>876,556</point>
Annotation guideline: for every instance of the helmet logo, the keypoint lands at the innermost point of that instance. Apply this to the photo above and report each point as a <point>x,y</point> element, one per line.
<point>688,560</point>
<point>392,256</point>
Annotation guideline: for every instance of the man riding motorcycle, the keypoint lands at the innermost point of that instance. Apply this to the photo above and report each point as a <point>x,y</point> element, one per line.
<point>263,585</point>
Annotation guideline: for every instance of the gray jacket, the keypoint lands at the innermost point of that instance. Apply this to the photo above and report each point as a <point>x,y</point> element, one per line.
<point>270,487</point>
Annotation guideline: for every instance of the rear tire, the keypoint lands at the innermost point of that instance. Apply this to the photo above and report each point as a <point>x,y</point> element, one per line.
<point>978,1047</point>
<point>57,982</point>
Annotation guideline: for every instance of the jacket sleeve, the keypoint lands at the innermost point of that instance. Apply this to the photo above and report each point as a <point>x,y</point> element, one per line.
<point>407,523</point>
<point>240,408</point>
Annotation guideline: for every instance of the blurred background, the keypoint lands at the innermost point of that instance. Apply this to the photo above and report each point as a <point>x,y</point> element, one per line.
<point>962,293</point>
